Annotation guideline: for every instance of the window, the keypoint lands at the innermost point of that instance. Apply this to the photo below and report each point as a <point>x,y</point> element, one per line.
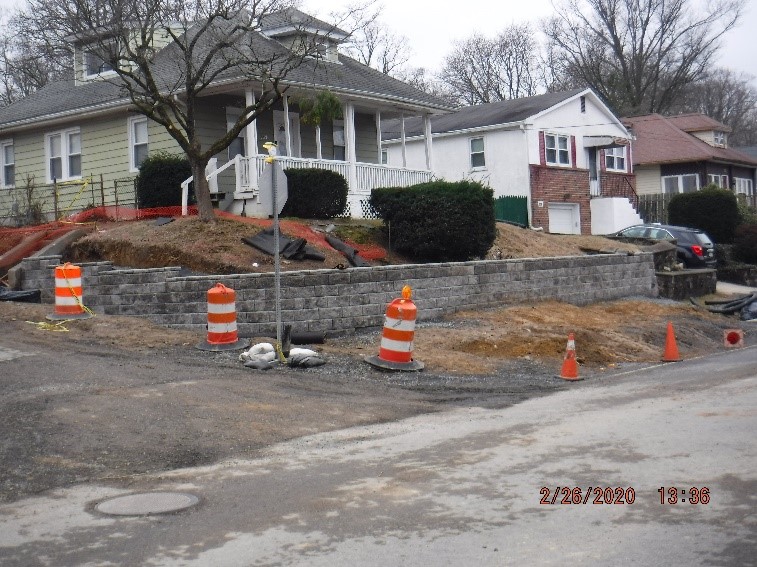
<point>63,151</point>
<point>384,156</point>
<point>8,162</point>
<point>236,148</point>
<point>615,159</point>
<point>477,158</point>
<point>687,183</point>
<point>557,149</point>
<point>583,105</point>
<point>719,180</point>
<point>719,138</point>
<point>339,151</point>
<point>94,61</point>
<point>743,186</point>
<point>138,147</point>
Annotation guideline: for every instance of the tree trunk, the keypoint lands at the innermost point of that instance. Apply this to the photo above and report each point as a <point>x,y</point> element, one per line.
<point>202,192</point>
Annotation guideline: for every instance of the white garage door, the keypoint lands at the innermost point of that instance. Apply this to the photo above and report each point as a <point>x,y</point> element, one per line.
<point>564,218</point>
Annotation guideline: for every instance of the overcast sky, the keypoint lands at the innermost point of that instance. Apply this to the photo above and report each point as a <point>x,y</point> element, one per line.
<point>431,26</point>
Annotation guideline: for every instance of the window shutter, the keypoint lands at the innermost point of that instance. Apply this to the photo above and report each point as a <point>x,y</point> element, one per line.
<point>602,161</point>
<point>573,162</point>
<point>542,149</point>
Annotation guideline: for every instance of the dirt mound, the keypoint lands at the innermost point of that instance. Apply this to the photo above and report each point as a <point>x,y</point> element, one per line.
<point>216,248</point>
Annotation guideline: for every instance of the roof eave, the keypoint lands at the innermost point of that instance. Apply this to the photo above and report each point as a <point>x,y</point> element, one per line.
<point>461,132</point>
<point>59,117</point>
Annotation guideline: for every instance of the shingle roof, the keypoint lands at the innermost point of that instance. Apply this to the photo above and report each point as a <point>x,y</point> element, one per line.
<point>292,19</point>
<point>660,140</point>
<point>480,115</point>
<point>348,76</point>
<point>697,122</point>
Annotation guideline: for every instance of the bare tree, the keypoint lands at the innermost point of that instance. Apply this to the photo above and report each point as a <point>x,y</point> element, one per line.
<point>482,70</point>
<point>207,41</point>
<point>639,54</point>
<point>29,59</point>
<point>372,42</point>
<point>728,97</point>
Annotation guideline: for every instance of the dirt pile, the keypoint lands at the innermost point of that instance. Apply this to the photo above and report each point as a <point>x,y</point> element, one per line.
<point>217,248</point>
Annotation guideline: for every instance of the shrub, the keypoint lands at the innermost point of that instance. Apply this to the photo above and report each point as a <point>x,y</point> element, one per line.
<point>712,210</point>
<point>160,178</point>
<point>438,220</point>
<point>745,243</point>
<point>315,194</point>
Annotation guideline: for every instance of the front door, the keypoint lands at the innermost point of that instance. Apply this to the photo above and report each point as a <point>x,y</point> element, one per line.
<point>594,188</point>
<point>279,133</point>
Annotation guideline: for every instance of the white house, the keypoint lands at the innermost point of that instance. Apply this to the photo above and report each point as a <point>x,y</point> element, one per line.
<point>565,152</point>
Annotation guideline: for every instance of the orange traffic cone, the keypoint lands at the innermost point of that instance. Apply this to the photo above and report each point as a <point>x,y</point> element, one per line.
<point>570,365</point>
<point>671,348</point>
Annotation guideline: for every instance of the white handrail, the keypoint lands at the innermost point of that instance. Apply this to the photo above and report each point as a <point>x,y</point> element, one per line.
<point>213,174</point>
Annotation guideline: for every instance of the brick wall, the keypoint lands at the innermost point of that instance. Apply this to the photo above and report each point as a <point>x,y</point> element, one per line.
<point>339,300</point>
<point>559,185</point>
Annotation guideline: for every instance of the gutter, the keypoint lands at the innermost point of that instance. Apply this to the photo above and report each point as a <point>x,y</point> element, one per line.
<point>52,119</point>
<point>502,126</point>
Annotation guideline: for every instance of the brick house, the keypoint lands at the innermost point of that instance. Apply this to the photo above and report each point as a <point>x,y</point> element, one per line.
<point>566,153</point>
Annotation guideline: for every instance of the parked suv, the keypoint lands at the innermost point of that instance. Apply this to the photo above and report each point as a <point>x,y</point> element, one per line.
<point>695,248</point>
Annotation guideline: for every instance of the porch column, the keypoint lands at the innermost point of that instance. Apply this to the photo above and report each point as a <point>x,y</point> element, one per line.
<point>378,136</point>
<point>404,148</point>
<point>318,152</point>
<point>287,130</point>
<point>349,142</point>
<point>427,134</point>
<point>250,143</point>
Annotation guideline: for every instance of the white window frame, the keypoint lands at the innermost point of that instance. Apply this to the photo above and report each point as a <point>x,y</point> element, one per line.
<point>679,182</point>
<point>718,138</point>
<point>131,123</point>
<point>556,148</point>
<point>615,159</point>
<point>481,153</point>
<point>65,154</point>
<point>88,51</point>
<point>743,186</point>
<point>384,156</point>
<point>3,164</point>
<point>721,180</point>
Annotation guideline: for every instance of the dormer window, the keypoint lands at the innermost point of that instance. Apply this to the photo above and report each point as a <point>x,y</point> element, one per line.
<point>94,62</point>
<point>719,138</point>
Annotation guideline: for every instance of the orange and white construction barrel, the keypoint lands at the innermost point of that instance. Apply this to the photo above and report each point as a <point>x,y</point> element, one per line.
<point>222,321</point>
<point>68,294</point>
<point>396,350</point>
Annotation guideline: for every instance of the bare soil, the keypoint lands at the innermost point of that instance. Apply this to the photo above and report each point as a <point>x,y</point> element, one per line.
<point>109,398</point>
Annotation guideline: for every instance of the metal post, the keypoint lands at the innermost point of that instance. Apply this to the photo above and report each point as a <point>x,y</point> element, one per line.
<point>276,259</point>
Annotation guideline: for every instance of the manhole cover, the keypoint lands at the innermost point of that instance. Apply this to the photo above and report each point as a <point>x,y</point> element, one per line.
<point>147,503</point>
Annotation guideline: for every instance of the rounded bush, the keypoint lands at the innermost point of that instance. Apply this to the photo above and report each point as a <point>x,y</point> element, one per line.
<point>438,220</point>
<point>712,210</point>
<point>160,178</point>
<point>315,194</point>
<point>745,243</point>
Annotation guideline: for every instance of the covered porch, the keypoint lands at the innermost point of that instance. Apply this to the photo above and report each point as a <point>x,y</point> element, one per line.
<point>351,147</point>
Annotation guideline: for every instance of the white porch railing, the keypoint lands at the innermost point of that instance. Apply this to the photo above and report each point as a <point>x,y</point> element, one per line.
<point>367,175</point>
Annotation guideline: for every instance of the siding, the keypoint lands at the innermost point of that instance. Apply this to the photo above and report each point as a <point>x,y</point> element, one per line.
<point>648,179</point>
<point>365,138</point>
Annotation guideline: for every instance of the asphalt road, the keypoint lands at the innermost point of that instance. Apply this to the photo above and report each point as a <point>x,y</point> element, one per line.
<point>462,487</point>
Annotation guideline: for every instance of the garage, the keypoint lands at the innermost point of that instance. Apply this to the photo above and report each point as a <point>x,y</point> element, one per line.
<point>564,218</point>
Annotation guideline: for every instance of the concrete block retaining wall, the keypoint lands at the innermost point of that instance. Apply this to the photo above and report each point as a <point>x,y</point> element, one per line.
<point>340,300</point>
